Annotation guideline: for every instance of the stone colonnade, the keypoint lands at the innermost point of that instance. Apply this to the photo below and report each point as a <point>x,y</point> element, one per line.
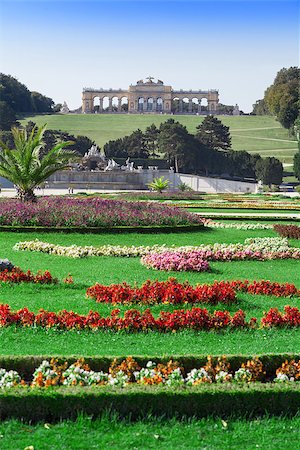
<point>149,97</point>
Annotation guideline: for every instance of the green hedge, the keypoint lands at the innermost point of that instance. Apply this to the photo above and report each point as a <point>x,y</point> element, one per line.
<point>96,230</point>
<point>25,365</point>
<point>52,404</point>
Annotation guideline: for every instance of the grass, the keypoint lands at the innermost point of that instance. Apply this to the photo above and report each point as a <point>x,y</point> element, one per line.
<point>20,341</point>
<point>109,270</point>
<point>211,434</point>
<point>256,134</point>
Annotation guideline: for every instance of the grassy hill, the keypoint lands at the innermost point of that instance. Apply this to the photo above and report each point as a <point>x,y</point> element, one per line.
<point>255,134</point>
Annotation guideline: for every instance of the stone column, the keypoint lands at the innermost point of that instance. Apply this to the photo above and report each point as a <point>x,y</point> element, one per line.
<point>199,106</point>
<point>119,105</point>
<point>110,104</point>
<point>154,105</point>
<point>190,108</point>
<point>101,106</point>
<point>145,104</point>
<point>180,105</point>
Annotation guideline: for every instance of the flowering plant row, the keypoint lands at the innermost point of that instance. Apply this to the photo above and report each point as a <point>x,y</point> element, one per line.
<point>288,231</point>
<point>134,320</point>
<point>191,258</point>
<point>16,275</point>
<point>252,248</point>
<point>51,373</point>
<point>173,292</point>
<point>91,212</point>
<point>238,226</point>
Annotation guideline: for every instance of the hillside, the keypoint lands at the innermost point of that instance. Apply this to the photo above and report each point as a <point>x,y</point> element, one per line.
<point>255,134</point>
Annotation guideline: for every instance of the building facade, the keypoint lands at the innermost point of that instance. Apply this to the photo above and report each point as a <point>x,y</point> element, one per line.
<point>149,97</point>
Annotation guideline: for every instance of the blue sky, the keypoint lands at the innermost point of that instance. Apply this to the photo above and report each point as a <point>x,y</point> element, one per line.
<point>59,47</point>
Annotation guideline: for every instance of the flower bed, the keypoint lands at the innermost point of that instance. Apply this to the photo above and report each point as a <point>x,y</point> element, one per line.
<point>238,226</point>
<point>91,212</point>
<point>173,292</point>
<point>252,248</point>
<point>172,374</point>
<point>16,275</point>
<point>288,231</point>
<point>134,320</point>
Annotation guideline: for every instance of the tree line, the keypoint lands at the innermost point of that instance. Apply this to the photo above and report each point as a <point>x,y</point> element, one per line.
<point>16,98</point>
<point>207,152</point>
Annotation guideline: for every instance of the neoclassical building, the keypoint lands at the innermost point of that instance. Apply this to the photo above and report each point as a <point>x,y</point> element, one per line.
<point>148,97</point>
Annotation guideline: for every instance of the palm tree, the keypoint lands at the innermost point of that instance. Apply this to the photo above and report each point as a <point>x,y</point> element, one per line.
<point>25,167</point>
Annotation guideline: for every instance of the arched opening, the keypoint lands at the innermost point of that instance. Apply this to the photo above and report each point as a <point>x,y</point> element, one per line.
<point>150,104</point>
<point>96,105</point>
<point>185,105</point>
<point>195,105</point>
<point>105,103</point>
<point>175,105</point>
<point>159,104</point>
<point>141,104</point>
<point>204,105</point>
<point>124,104</point>
<point>114,104</point>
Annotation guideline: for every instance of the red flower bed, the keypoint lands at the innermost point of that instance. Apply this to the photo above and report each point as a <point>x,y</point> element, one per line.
<point>289,231</point>
<point>171,291</point>
<point>274,318</point>
<point>134,320</point>
<point>16,275</point>
<point>266,287</point>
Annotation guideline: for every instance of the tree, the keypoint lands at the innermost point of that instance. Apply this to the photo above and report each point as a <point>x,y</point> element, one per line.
<point>282,97</point>
<point>24,165</point>
<point>260,108</point>
<point>7,116</point>
<point>297,155</point>
<point>213,134</point>
<point>178,145</point>
<point>134,144</point>
<point>269,171</point>
<point>40,103</point>
<point>150,140</point>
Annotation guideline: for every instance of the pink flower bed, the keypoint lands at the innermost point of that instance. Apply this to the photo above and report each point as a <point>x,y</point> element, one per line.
<point>179,261</point>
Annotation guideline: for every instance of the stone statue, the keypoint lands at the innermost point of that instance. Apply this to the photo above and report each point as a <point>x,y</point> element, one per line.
<point>111,165</point>
<point>64,109</point>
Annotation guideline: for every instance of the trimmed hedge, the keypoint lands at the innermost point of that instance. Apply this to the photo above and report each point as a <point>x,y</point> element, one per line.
<point>96,230</point>
<point>25,365</point>
<point>53,404</point>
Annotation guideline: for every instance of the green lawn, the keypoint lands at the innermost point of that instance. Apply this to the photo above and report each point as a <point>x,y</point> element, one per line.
<point>245,130</point>
<point>109,270</point>
<point>210,434</point>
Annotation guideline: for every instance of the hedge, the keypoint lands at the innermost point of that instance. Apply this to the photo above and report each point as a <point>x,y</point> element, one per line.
<point>96,230</point>
<point>53,404</point>
<point>25,365</point>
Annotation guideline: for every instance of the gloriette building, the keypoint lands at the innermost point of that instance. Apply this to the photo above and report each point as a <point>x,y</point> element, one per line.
<point>148,97</point>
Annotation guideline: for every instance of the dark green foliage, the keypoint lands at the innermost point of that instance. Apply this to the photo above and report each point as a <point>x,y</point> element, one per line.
<point>229,400</point>
<point>18,97</point>
<point>260,108</point>
<point>269,171</point>
<point>178,146</point>
<point>213,134</point>
<point>7,116</point>
<point>282,97</point>
<point>297,165</point>
<point>15,94</point>
<point>41,104</point>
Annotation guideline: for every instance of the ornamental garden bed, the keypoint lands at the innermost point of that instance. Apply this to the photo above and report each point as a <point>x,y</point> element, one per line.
<point>88,213</point>
<point>111,272</point>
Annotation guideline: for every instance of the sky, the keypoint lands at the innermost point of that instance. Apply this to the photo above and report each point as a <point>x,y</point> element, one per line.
<point>58,47</point>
